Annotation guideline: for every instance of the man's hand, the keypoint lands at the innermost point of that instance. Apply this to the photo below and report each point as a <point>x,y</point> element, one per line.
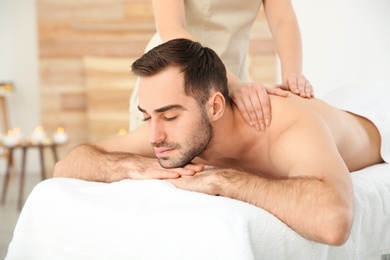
<point>299,85</point>
<point>253,102</point>
<point>213,181</point>
<point>199,182</point>
<point>149,168</point>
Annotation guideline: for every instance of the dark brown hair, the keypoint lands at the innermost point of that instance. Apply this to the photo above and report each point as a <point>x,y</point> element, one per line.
<point>202,68</point>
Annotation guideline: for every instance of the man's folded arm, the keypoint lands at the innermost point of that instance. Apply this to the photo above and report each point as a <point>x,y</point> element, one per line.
<point>315,197</point>
<point>315,208</point>
<point>92,163</point>
<point>114,159</point>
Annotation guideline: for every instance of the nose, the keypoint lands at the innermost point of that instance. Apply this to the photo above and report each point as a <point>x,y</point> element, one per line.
<point>156,132</point>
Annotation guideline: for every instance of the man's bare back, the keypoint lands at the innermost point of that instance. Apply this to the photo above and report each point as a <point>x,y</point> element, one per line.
<point>357,139</point>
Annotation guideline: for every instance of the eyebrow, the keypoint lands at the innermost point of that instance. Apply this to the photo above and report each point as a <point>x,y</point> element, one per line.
<point>164,109</point>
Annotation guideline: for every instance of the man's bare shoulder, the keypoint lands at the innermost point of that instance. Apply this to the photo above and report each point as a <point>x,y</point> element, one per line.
<point>356,138</point>
<point>303,140</point>
<point>312,113</point>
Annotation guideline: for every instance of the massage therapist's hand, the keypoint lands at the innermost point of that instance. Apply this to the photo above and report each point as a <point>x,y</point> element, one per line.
<point>299,85</point>
<point>253,102</point>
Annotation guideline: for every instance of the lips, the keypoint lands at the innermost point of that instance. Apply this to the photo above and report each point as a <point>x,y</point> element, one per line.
<point>161,152</point>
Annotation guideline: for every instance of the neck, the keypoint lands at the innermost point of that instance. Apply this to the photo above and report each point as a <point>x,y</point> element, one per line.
<point>233,139</point>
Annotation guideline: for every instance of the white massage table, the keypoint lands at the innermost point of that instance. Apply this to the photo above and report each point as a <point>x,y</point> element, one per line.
<point>130,219</point>
<point>152,219</point>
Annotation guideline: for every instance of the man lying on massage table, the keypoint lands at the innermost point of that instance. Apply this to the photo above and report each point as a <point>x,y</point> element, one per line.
<point>298,169</point>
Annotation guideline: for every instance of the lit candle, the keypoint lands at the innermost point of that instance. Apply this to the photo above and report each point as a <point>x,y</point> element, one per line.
<point>122,131</point>
<point>10,139</point>
<point>18,134</point>
<point>39,135</point>
<point>60,136</point>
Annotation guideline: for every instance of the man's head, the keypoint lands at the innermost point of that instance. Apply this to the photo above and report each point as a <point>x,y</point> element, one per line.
<point>183,88</point>
<point>203,70</point>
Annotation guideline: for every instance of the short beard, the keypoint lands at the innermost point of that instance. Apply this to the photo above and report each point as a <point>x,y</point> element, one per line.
<point>198,142</point>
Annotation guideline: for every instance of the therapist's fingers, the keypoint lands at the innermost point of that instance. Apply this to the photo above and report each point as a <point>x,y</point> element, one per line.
<point>246,100</point>
<point>240,103</point>
<point>253,102</point>
<point>305,87</point>
<point>278,90</point>
<point>298,84</point>
<point>264,118</point>
<point>256,103</point>
<point>309,89</point>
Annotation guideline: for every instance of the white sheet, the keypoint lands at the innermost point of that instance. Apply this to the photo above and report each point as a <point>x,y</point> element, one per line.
<point>74,219</point>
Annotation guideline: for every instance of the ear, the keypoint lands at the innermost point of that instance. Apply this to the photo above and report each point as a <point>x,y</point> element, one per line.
<point>216,106</point>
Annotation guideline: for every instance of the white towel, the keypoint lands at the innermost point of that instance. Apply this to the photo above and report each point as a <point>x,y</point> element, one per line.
<point>151,219</point>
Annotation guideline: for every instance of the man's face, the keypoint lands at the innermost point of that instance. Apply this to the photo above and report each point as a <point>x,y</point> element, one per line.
<point>178,129</point>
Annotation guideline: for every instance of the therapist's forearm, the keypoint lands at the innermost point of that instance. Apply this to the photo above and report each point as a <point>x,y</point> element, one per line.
<point>284,27</point>
<point>170,19</point>
<point>290,59</point>
<point>289,48</point>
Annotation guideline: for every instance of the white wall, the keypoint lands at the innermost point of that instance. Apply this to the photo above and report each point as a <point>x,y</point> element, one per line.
<point>344,41</point>
<point>19,64</point>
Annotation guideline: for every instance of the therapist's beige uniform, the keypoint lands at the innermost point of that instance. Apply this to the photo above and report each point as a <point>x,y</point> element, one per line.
<point>222,25</point>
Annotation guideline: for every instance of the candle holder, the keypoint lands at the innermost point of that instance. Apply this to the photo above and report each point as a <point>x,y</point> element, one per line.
<point>38,136</point>
<point>10,139</point>
<point>13,137</point>
<point>60,137</point>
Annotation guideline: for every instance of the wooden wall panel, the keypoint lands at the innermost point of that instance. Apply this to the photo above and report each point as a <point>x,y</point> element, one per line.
<point>108,83</point>
<point>86,49</point>
<point>68,31</point>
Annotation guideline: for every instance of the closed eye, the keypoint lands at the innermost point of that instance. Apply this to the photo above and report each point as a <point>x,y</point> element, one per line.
<point>145,119</point>
<point>170,118</point>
